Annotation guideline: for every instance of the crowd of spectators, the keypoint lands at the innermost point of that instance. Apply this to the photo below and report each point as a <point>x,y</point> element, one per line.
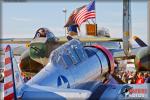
<point>131,77</point>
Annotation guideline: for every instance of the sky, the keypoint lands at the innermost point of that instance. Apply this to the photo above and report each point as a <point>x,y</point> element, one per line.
<point>21,20</point>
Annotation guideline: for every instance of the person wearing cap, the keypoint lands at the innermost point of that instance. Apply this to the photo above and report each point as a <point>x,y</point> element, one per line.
<point>73,29</point>
<point>43,32</point>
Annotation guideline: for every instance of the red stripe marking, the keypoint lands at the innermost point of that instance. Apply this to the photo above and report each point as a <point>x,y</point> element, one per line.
<point>7,48</point>
<point>7,60</point>
<point>9,97</point>
<point>7,73</point>
<point>8,85</point>
<point>109,55</point>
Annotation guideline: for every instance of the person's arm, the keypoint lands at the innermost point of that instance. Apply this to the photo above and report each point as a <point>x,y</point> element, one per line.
<point>78,28</point>
<point>67,29</point>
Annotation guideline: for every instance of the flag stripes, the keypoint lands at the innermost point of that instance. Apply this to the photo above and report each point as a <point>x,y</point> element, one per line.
<point>85,13</point>
<point>8,80</point>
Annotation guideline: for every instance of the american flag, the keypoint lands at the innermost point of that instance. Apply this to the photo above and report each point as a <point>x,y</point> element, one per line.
<point>71,17</point>
<point>85,13</point>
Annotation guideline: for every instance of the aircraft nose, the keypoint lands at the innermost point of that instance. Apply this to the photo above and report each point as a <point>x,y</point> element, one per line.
<point>142,59</point>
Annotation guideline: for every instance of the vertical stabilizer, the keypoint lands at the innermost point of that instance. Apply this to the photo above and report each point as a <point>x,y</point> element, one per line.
<point>12,76</point>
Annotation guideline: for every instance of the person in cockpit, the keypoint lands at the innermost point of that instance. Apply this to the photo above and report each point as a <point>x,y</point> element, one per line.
<point>44,32</point>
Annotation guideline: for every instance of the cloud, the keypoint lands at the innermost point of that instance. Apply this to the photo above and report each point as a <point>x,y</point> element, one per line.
<point>21,19</point>
<point>58,31</point>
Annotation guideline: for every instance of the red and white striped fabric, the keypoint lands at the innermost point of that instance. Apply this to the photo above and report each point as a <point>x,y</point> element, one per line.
<point>8,76</point>
<point>83,15</point>
<point>71,17</point>
<point>87,12</point>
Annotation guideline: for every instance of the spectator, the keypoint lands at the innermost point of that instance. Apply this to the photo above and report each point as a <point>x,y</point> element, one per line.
<point>140,78</point>
<point>72,30</point>
<point>147,79</point>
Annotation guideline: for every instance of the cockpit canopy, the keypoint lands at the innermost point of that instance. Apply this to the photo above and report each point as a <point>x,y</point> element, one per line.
<point>71,53</point>
<point>48,34</point>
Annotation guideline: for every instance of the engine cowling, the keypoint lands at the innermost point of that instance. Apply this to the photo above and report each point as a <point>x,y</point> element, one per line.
<point>105,59</point>
<point>142,59</point>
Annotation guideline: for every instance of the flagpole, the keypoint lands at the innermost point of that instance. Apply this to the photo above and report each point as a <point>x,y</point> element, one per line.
<point>88,22</point>
<point>65,12</point>
<point>93,21</point>
<point>95,17</point>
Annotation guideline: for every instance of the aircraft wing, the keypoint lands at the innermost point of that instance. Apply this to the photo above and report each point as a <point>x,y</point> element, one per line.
<point>120,55</point>
<point>62,39</point>
<point>91,39</point>
<point>23,44</point>
<point>15,40</point>
<point>38,92</point>
<point>17,51</point>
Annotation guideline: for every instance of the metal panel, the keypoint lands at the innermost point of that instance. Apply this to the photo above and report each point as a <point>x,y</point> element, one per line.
<point>86,71</point>
<point>104,62</point>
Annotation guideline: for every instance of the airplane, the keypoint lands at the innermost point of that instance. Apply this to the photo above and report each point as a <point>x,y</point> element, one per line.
<point>142,60</point>
<point>40,48</point>
<point>141,54</point>
<point>73,72</point>
<point>37,54</point>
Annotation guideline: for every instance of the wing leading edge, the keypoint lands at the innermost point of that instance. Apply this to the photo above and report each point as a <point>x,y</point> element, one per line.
<point>46,92</point>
